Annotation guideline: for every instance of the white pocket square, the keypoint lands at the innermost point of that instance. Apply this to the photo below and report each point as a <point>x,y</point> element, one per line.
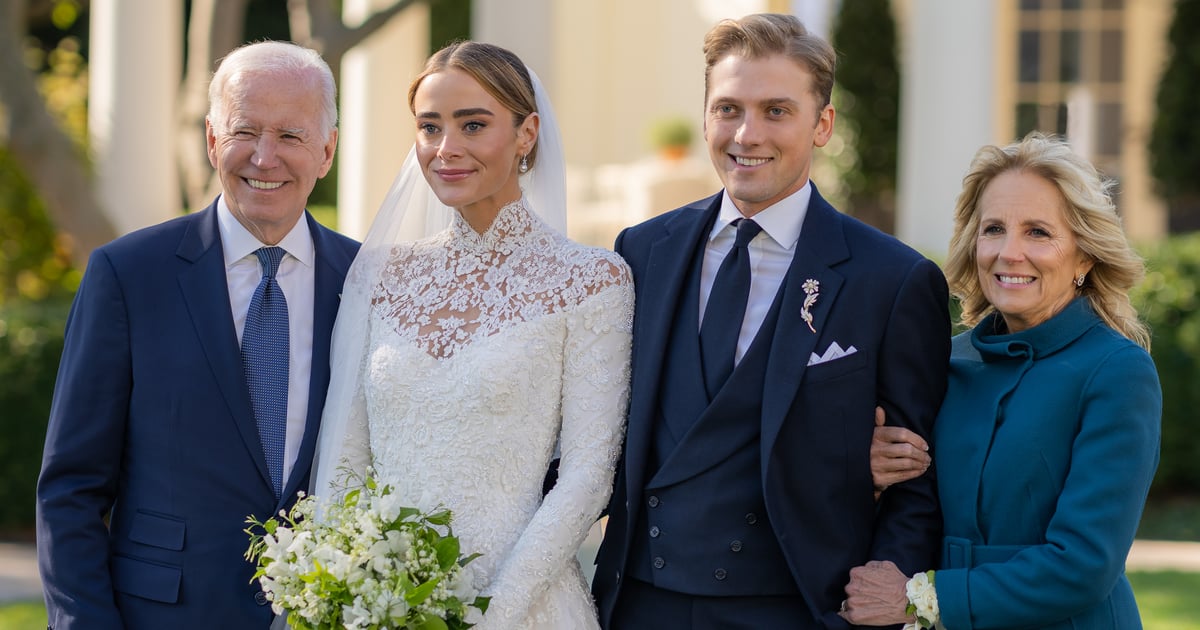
<point>833,353</point>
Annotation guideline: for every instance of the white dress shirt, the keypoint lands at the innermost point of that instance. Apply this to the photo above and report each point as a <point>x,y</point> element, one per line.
<point>297,279</point>
<point>771,253</point>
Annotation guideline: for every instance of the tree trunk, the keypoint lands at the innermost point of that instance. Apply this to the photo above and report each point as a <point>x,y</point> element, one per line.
<point>316,24</point>
<point>57,168</point>
<point>214,29</point>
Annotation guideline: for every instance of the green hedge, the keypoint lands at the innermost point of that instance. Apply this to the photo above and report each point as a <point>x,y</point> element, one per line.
<point>1169,303</point>
<point>30,345</point>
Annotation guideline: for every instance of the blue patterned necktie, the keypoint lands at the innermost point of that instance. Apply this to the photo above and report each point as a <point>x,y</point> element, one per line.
<point>726,309</point>
<point>265,362</point>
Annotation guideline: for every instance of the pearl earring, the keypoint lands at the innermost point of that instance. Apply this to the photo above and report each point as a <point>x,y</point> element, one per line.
<point>524,166</point>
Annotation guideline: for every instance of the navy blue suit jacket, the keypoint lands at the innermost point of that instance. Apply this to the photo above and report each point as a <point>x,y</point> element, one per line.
<point>875,294</point>
<point>151,426</point>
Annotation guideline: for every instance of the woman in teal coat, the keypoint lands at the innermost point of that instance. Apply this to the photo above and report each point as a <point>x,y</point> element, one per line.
<point>1048,438</point>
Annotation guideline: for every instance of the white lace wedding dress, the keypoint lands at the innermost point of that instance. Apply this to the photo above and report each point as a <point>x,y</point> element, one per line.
<point>485,351</point>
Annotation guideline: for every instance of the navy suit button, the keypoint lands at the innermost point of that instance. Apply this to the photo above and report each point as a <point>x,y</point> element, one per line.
<point>659,563</point>
<point>719,574</point>
<point>260,598</point>
<point>654,532</point>
<point>653,501</point>
<point>735,545</point>
<point>751,518</point>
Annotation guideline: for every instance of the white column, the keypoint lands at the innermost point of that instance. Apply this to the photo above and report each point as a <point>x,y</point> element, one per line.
<point>946,113</point>
<point>376,129</point>
<point>136,48</point>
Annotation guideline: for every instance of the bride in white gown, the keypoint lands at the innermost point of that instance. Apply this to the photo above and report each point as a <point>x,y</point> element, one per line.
<point>463,362</point>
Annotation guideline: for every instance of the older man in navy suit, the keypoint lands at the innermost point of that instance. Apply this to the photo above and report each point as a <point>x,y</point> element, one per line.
<point>768,329</point>
<point>194,373</point>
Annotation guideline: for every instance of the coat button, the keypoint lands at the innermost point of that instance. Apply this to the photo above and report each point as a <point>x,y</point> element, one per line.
<point>751,518</point>
<point>719,574</point>
<point>653,501</point>
<point>659,563</point>
<point>654,531</point>
<point>735,545</point>
<point>260,598</point>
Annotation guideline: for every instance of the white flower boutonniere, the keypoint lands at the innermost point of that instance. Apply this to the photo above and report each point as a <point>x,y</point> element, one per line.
<point>922,602</point>
<point>811,293</point>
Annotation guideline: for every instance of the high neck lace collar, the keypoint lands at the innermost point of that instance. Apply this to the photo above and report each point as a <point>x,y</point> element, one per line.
<point>512,227</point>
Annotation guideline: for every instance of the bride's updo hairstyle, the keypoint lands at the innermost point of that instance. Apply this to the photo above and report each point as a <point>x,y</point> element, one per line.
<point>500,72</point>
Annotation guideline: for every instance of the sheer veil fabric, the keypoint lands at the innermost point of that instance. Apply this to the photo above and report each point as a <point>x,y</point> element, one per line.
<point>409,212</point>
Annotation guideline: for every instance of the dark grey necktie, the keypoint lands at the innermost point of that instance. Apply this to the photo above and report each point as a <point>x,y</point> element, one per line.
<point>726,309</point>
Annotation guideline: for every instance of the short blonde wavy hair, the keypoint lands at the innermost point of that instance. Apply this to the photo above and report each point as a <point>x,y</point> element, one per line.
<point>1090,213</point>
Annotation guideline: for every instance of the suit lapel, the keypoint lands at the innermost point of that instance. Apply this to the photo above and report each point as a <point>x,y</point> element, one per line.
<point>206,292</point>
<point>822,244</point>
<point>662,283</point>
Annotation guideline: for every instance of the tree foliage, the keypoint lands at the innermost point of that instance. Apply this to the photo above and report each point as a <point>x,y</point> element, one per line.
<point>1175,137</point>
<point>868,78</point>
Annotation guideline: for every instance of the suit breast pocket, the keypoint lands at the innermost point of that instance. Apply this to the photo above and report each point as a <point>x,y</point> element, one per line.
<point>158,530</point>
<point>833,369</point>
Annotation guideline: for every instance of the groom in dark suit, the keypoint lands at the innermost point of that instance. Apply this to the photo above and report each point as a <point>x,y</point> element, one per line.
<point>768,328</point>
<point>194,372</point>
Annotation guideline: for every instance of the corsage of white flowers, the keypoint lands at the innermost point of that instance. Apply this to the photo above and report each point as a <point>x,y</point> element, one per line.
<point>364,563</point>
<point>922,601</point>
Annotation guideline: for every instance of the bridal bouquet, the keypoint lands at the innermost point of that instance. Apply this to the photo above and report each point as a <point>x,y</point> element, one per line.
<point>365,563</point>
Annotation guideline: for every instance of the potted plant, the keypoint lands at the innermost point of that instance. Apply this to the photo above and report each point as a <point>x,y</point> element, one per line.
<point>672,136</point>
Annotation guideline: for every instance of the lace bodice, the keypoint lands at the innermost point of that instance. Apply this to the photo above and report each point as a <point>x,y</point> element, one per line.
<point>485,353</point>
<point>446,291</point>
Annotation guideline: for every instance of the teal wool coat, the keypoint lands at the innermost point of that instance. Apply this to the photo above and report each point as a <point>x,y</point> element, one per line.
<point>1045,447</point>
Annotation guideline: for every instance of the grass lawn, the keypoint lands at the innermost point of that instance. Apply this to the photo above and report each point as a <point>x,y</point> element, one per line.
<point>1167,600</point>
<point>22,616</point>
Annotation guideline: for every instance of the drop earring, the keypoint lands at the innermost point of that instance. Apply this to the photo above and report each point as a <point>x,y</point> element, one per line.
<point>523,167</point>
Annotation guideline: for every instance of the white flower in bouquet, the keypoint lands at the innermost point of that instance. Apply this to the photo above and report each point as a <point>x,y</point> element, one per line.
<point>365,563</point>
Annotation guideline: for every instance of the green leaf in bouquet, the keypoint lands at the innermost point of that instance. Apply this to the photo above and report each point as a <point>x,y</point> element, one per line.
<point>447,552</point>
<point>421,593</point>
<point>407,513</point>
<point>430,622</point>
<point>441,517</point>
<point>482,603</point>
<point>468,559</point>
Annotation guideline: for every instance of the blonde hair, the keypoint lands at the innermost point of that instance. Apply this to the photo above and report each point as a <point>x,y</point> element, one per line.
<point>1089,212</point>
<point>764,34</point>
<point>499,71</point>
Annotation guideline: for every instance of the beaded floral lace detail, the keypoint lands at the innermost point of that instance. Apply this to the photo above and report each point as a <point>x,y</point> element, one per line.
<point>488,353</point>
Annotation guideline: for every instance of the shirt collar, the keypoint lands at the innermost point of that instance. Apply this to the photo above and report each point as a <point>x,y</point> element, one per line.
<point>239,243</point>
<point>781,221</point>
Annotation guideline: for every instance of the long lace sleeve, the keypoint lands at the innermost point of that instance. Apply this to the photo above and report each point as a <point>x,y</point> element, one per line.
<point>595,394</point>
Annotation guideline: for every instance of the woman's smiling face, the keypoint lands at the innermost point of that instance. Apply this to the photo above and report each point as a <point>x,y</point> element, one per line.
<point>1025,250</point>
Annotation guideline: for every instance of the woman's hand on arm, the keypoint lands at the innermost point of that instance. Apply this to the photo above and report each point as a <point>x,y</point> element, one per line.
<point>897,454</point>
